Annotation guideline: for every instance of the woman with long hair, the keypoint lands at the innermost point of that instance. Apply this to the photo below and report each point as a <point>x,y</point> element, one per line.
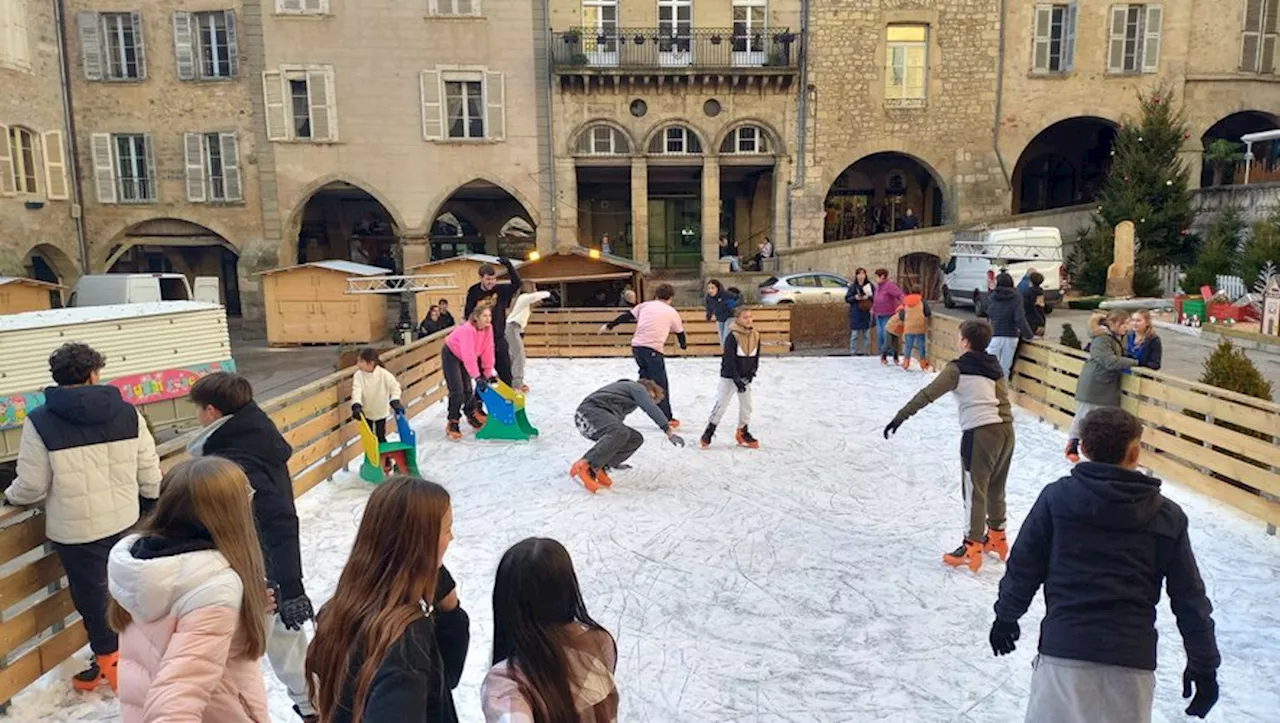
<point>859,297</point>
<point>188,597</point>
<point>551,662</point>
<point>390,644</point>
<point>1142,343</point>
<point>719,306</point>
<point>431,323</point>
<point>468,355</point>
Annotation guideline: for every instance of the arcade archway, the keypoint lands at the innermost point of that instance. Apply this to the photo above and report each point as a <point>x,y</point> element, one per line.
<point>880,193</point>
<point>1224,152</point>
<point>1064,165</point>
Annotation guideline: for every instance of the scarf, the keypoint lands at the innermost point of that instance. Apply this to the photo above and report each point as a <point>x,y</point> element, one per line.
<point>748,339</point>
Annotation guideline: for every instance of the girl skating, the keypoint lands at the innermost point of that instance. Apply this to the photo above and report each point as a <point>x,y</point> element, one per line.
<point>601,418</point>
<point>468,355</point>
<point>738,367</point>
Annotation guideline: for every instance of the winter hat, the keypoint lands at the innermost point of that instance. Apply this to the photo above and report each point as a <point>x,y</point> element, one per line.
<point>1004,279</point>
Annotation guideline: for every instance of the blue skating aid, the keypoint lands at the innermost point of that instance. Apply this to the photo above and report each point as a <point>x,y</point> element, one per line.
<point>507,418</point>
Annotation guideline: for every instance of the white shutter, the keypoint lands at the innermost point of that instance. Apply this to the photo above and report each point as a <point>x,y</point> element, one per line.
<point>288,6</point>
<point>495,124</point>
<point>90,32</point>
<point>433,6</point>
<point>1115,50</point>
<point>1043,37</point>
<point>55,167</point>
<point>104,169</point>
<point>233,43</point>
<point>231,187</point>
<point>1271,9</point>
<point>475,8</point>
<point>1069,42</point>
<point>193,149</point>
<point>8,184</point>
<point>153,181</point>
<point>140,43</point>
<point>1151,44</point>
<point>19,45</point>
<point>273,97</point>
<point>5,51</point>
<point>323,104</point>
<point>184,46</point>
<point>432,115</point>
<point>315,6</point>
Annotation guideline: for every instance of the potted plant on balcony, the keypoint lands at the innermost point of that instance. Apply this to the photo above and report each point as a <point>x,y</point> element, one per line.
<point>572,37</point>
<point>579,60</point>
<point>716,39</point>
<point>785,37</point>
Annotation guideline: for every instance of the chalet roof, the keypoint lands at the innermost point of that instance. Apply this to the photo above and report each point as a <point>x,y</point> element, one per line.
<point>350,268</point>
<point>29,282</point>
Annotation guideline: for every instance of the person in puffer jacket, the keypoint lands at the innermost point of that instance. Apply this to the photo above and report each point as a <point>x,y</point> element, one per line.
<point>89,455</point>
<point>1008,317</point>
<point>1099,382</point>
<point>188,600</point>
<point>914,315</point>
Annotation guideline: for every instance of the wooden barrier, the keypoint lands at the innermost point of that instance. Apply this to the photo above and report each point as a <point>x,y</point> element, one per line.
<point>1213,440</point>
<point>576,333</point>
<point>39,627</point>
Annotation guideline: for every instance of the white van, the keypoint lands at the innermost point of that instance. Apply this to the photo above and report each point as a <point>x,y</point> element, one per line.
<point>104,289</point>
<point>978,256</point>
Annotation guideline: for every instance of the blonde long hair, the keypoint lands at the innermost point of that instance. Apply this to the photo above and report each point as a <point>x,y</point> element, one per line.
<point>1150,333</point>
<point>210,495</point>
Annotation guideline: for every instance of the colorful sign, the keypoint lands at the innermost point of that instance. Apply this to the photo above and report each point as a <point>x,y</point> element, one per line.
<point>137,389</point>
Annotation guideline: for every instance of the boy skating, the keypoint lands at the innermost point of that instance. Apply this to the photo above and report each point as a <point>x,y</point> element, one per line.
<point>738,365</point>
<point>1102,541</point>
<point>601,418</point>
<point>488,292</point>
<point>986,446</point>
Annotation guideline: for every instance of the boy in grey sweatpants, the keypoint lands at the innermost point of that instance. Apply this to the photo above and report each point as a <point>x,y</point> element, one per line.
<point>601,418</point>
<point>738,366</point>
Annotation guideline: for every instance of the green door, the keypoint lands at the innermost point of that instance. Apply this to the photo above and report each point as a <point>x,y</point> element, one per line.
<point>675,233</point>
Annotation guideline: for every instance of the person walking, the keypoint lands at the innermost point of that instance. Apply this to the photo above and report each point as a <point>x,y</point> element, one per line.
<point>1102,541</point>
<point>188,602</point>
<point>468,355</point>
<point>655,320</point>
<point>88,454</point>
<point>1008,318</point>
<point>860,297</point>
<point>888,297</point>
<point>601,418</point>
<point>719,306</point>
<point>497,297</point>
<point>1099,382</point>
<point>1142,343</point>
<point>517,320</point>
<point>1033,301</point>
<point>738,366</point>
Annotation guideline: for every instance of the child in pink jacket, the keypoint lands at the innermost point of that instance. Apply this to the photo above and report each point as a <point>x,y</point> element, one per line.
<point>189,601</point>
<point>468,354</point>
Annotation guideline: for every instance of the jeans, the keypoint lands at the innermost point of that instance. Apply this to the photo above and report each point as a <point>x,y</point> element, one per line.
<point>515,345</point>
<point>615,442</point>
<point>884,338</point>
<point>734,264</point>
<point>501,357</point>
<point>1004,348</point>
<point>723,328</point>
<point>860,341</point>
<point>1080,691</point>
<point>915,341</point>
<point>459,384</point>
<point>86,566</point>
<point>653,366</point>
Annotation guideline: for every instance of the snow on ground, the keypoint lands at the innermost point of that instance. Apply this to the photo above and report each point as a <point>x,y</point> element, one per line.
<point>798,582</point>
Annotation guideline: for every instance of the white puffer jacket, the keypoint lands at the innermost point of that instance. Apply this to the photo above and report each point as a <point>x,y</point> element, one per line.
<point>89,453</point>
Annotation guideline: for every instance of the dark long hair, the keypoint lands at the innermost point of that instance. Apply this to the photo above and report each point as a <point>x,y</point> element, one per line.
<point>535,598</point>
<point>719,287</point>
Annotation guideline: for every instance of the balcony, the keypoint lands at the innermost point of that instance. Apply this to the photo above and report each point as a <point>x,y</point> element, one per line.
<point>587,58</point>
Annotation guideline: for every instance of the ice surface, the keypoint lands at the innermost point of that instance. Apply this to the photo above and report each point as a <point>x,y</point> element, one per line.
<point>798,582</point>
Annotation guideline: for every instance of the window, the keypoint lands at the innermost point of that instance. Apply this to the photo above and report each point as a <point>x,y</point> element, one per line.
<point>20,151</point>
<point>15,46</point>
<point>22,154</point>
<point>745,139</point>
<point>454,8</point>
<point>804,282</point>
<point>463,104</point>
<point>1135,39</point>
<point>749,31</point>
<point>124,168</point>
<point>675,30</point>
<point>301,104</point>
<point>675,140</point>
<point>205,45</point>
<point>907,55</point>
<point>111,46</point>
<point>302,7</point>
<point>831,282</point>
<point>600,22</point>
<point>213,167</point>
<point>1258,41</point>
<point>602,140</point>
<point>1054,46</point>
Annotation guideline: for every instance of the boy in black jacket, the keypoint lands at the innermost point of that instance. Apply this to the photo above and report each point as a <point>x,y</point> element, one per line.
<point>488,292</point>
<point>738,367</point>
<point>235,428</point>
<point>1102,541</point>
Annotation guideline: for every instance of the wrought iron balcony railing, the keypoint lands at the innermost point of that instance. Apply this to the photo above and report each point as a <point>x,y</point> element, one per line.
<point>674,47</point>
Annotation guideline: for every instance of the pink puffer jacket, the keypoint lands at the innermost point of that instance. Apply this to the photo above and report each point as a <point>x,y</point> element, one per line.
<point>181,659</point>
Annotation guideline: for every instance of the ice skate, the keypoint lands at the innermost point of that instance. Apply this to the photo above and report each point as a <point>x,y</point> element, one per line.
<point>924,365</point>
<point>707,434</point>
<point>524,388</point>
<point>745,439</point>
<point>476,419</point>
<point>996,542</point>
<point>968,553</point>
<point>603,478</point>
<point>884,361</point>
<point>452,431</point>
<point>313,718</point>
<point>101,671</point>
<point>582,472</point>
<point>674,424</point>
<point>1072,452</point>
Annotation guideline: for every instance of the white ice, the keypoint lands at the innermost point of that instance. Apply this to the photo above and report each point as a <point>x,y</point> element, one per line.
<point>798,582</point>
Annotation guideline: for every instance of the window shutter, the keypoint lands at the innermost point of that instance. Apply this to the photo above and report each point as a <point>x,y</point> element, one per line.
<point>231,185</point>
<point>184,46</point>
<point>495,124</point>
<point>104,169</point>
<point>433,7</point>
<point>90,32</point>
<point>141,45</point>
<point>1069,43</point>
<point>233,43</point>
<point>1271,9</point>
<point>288,6</point>
<point>1249,45</point>
<point>8,185</point>
<point>153,181</point>
<point>55,167</point>
<point>475,8</point>
<point>193,148</point>
<point>315,6</point>
<point>1115,51</point>
<point>1151,45</point>
<point>1043,35</point>
<point>320,93</point>
<point>432,113</point>
<point>19,46</point>
<point>273,98</point>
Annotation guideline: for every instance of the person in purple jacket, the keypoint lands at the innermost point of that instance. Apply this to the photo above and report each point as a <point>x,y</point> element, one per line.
<point>884,305</point>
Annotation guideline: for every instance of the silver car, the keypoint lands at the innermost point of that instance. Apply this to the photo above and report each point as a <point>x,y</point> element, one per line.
<point>808,287</point>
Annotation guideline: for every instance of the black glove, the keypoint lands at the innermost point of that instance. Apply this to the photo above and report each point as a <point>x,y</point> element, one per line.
<point>397,407</point>
<point>481,385</point>
<point>676,439</point>
<point>892,427</point>
<point>145,505</point>
<point>741,385</point>
<point>1003,636</point>
<point>1206,686</point>
<point>296,611</point>
<point>357,411</point>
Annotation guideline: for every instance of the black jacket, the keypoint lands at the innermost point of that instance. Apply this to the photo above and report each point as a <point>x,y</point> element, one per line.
<point>415,682</point>
<point>1036,317</point>
<point>1102,541</point>
<point>446,320</point>
<point>1006,313</point>
<point>720,307</point>
<point>429,327</point>
<point>499,300</point>
<point>250,439</point>
<point>735,366</point>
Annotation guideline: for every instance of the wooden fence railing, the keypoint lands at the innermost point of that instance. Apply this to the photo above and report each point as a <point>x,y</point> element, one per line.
<point>576,333</point>
<point>1218,442</point>
<point>38,624</point>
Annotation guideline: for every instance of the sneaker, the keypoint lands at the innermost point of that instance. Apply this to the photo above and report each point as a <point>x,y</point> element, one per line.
<point>582,472</point>
<point>452,431</point>
<point>101,671</point>
<point>674,424</point>
<point>745,439</point>
<point>1072,453</point>
<point>968,553</point>
<point>707,434</point>
<point>996,541</point>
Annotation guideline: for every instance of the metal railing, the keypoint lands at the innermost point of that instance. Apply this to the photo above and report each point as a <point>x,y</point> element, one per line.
<point>674,47</point>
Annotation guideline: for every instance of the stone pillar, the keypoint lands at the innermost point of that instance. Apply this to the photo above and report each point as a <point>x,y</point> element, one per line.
<point>415,249</point>
<point>710,213</point>
<point>640,210</point>
<point>781,190</point>
<point>566,221</point>
<point>1120,273</point>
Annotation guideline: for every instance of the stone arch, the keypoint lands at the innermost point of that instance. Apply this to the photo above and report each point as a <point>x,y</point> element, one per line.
<point>582,128</point>
<point>44,260</point>
<point>338,216</point>
<point>774,138</point>
<point>873,193</point>
<point>437,203</point>
<point>487,206</point>
<point>106,254</point>
<point>1064,164</point>
<point>1231,127</point>
<point>305,194</point>
<point>681,122</point>
<point>171,243</point>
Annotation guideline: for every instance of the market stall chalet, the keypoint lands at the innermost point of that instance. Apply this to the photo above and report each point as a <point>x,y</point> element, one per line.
<point>585,277</point>
<point>309,304</point>
<point>465,271</point>
<point>18,294</point>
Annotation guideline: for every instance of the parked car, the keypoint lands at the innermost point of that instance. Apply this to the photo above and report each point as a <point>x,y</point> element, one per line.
<point>978,256</point>
<point>809,287</point>
<point>104,289</point>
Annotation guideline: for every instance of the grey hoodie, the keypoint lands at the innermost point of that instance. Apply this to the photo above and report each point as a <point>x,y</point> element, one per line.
<point>622,398</point>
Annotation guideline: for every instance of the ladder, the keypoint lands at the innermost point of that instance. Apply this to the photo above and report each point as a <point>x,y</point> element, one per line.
<point>398,284</point>
<point>971,244</point>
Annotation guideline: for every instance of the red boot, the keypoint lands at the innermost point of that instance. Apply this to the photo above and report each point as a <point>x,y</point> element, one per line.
<point>968,553</point>
<point>745,439</point>
<point>1072,453</point>
<point>996,542</point>
<point>102,671</point>
<point>582,472</point>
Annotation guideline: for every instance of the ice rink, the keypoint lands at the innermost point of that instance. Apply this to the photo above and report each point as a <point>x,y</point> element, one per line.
<point>798,582</point>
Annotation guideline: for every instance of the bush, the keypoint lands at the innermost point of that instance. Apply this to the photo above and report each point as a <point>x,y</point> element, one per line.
<point>1069,338</point>
<point>1229,368</point>
<point>1219,255</point>
<point>1262,248</point>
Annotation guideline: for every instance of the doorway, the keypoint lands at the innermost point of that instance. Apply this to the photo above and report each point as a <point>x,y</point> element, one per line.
<point>675,233</point>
